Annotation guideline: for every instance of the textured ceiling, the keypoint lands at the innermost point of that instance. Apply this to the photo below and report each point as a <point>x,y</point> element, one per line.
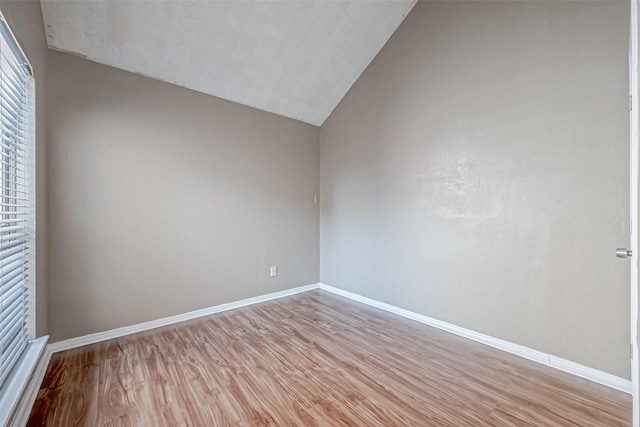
<point>293,58</point>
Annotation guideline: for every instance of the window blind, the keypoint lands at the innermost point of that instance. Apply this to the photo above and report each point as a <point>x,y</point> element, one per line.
<point>16,197</point>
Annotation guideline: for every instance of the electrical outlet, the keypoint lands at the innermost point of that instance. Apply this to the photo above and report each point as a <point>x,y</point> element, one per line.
<point>273,271</point>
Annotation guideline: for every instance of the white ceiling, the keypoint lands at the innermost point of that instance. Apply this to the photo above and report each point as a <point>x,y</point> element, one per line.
<point>293,58</point>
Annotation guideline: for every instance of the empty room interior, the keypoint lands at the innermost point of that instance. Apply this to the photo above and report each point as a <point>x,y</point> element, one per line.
<point>318,213</point>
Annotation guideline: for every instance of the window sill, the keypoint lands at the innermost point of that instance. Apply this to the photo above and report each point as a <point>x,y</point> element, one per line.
<point>14,393</point>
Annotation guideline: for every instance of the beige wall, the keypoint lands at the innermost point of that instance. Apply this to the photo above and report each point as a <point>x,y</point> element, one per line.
<point>25,19</point>
<point>477,172</point>
<point>164,200</point>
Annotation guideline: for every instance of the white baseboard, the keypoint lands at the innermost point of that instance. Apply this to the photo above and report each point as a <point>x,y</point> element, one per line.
<point>559,363</point>
<point>145,326</point>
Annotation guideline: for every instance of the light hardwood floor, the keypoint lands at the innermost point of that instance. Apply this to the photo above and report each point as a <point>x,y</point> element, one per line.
<point>312,359</point>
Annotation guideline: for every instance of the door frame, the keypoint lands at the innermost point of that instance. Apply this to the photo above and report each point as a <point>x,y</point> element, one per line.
<point>634,117</point>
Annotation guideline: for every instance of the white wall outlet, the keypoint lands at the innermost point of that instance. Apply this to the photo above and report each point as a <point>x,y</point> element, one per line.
<point>273,271</point>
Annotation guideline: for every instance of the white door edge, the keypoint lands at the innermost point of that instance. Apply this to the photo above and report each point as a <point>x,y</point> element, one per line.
<point>633,205</point>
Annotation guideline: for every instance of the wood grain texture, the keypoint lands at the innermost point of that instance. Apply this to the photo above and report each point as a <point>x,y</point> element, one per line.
<point>313,359</point>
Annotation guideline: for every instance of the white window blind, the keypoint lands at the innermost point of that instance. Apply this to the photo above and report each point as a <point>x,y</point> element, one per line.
<point>16,200</point>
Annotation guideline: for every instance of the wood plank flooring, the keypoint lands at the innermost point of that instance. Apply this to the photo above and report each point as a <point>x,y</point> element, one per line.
<point>312,359</point>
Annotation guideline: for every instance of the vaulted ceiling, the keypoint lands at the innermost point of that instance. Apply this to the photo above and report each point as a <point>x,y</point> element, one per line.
<point>293,58</point>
